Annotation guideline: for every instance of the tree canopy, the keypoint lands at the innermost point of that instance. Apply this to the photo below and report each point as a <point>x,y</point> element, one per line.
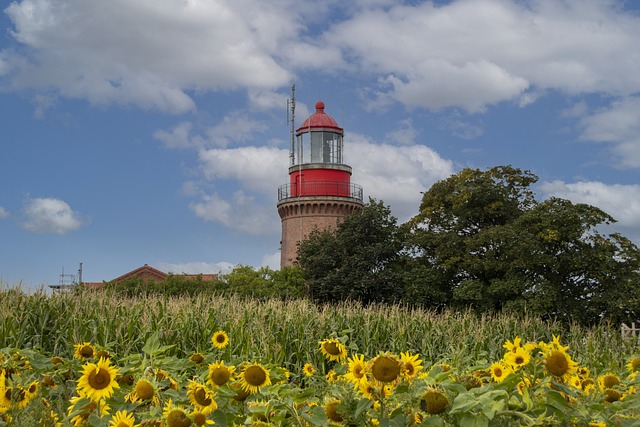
<point>481,240</point>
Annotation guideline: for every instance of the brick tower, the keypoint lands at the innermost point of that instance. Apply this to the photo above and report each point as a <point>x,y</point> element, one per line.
<point>319,193</point>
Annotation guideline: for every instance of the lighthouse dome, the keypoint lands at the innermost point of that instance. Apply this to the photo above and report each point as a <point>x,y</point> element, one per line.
<point>319,120</point>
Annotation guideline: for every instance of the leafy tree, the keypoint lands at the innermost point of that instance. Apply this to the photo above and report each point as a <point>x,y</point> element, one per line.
<point>491,245</point>
<point>357,261</point>
<point>263,283</point>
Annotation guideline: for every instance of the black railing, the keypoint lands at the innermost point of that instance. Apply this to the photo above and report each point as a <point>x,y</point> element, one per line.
<point>320,188</point>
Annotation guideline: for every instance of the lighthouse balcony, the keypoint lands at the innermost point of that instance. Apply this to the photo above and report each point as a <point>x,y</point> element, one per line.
<point>320,188</point>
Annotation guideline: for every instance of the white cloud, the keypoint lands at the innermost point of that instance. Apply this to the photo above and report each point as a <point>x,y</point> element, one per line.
<point>395,174</point>
<point>242,213</point>
<point>404,134</point>
<point>235,127</point>
<point>618,124</point>
<point>259,169</point>
<point>178,137</point>
<point>622,202</point>
<point>271,260</point>
<point>476,53</point>
<point>3,213</point>
<point>222,267</point>
<point>49,215</point>
<point>148,53</point>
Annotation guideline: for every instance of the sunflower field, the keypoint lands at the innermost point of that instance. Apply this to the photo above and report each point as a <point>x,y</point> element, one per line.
<point>98,359</point>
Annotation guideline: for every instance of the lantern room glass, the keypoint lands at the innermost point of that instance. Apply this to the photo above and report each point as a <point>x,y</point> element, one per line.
<point>319,147</point>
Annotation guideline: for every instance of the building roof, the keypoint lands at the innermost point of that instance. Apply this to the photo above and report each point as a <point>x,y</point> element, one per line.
<point>146,272</point>
<point>319,120</point>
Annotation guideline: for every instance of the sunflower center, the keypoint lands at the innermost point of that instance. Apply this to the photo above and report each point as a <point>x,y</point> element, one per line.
<point>255,375</point>
<point>557,363</point>
<point>197,358</point>
<point>33,388</point>
<point>497,371</point>
<point>199,419</point>
<point>385,369</point>
<point>86,351</point>
<point>433,402</point>
<point>519,360</point>
<point>332,348</point>
<point>611,395</point>
<point>201,397</point>
<point>409,369</point>
<point>122,424</point>
<point>177,418</point>
<point>220,376</point>
<point>144,390</point>
<point>220,339</point>
<point>332,412</point>
<point>99,379</point>
<point>7,393</point>
<point>358,371</point>
<point>610,380</point>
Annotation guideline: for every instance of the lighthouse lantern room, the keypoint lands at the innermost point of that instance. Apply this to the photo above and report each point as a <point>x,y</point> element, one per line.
<point>319,193</point>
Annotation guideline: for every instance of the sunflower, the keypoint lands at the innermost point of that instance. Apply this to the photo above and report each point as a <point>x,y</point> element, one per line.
<point>517,358</point>
<point>175,416</point>
<point>366,389</point>
<point>333,412</point>
<point>82,412</point>
<point>201,397</point>
<point>22,398</point>
<point>144,391</point>
<point>634,364</point>
<point>253,377</point>
<point>122,419</point>
<point>608,380</point>
<point>84,351</point>
<point>356,370</point>
<point>332,377</point>
<point>411,365</point>
<point>5,397</point>
<point>196,359</point>
<point>200,418</point>
<point>433,401</point>
<point>219,374</point>
<point>98,380</point>
<point>516,344</point>
<point>308,370</point>
<point>102,354</point>
<point>499,371</point>
<point>220,339</point>
<point>333,349</point>
<point>559,363</point>
<point>32,389</point>
<point>385,368</point>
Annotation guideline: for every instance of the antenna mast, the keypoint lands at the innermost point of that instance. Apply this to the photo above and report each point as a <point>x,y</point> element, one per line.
<point>292,106</point>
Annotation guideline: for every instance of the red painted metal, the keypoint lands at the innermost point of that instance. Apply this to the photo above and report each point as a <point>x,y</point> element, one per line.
<point>319,119</point>
<point>320,182</point>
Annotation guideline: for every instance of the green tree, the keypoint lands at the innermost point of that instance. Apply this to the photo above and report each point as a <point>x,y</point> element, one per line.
<point>263,283</point>
<point>358,261</point>
<point>485,242</point>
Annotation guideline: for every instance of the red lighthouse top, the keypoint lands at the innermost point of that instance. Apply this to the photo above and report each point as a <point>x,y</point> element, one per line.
<point>319,119</point>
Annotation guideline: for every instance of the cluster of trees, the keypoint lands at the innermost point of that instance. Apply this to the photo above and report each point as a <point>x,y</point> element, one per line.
<point>480,240</point>
<point>243,281</point>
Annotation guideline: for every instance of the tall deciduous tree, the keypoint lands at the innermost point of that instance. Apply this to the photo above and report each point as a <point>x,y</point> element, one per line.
<point>485,242</point>
<point>357,260</point>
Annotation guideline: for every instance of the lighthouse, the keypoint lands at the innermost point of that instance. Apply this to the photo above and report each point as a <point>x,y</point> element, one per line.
<point>319,193</point>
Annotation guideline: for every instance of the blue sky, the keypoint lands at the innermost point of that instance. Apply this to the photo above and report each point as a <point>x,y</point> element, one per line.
<point>143,132</point>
